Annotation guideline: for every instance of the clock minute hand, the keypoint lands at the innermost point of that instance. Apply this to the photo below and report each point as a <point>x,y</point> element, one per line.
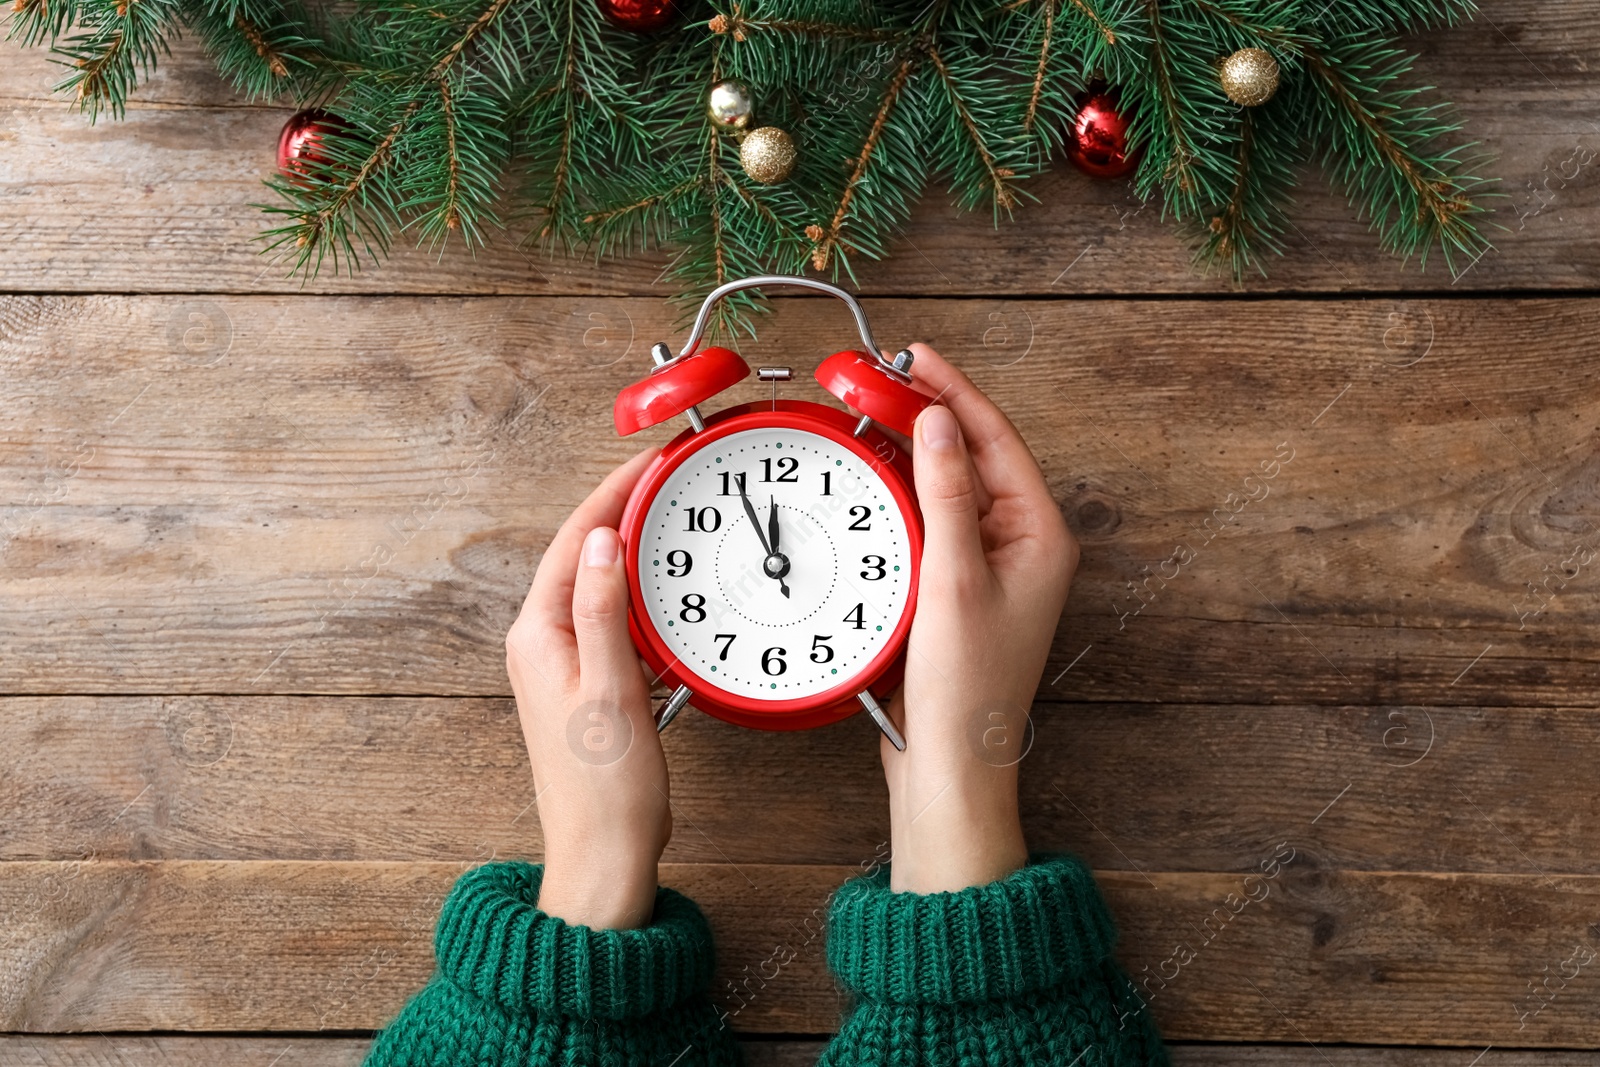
<point>773,565</point>
<point>750,512</point>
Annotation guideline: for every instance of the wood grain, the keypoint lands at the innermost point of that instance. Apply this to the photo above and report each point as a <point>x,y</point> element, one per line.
<point>1129,787</point>
<point>163,201</point>
<point>124,1050</point>
<point>258,552</point>
<point>1314,955</point>
<point>349,495</point>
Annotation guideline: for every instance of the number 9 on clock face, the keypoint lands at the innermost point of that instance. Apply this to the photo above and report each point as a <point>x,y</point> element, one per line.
<point>775,566</point>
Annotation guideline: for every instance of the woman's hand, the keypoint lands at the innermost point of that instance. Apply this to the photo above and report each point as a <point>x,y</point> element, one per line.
<point>584,702</point>
<point>997,562</point>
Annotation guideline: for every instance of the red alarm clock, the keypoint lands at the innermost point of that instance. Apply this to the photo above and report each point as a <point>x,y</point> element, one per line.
<point>773,548</point>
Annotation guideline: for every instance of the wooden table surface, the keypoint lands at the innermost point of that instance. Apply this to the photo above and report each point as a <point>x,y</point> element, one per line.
<point>261,542</point>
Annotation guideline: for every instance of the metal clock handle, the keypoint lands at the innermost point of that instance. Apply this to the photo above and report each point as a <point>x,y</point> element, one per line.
<point>897,366</point>
<point>703,318</point>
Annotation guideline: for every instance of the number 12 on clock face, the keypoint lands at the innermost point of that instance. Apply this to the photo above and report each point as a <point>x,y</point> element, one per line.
<point>775,564</point>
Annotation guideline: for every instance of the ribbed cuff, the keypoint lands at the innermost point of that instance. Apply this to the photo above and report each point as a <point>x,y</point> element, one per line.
<point>494,941</point>
<point>1032,930</point>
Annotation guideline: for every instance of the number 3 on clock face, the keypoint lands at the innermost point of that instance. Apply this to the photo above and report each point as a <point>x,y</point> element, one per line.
<point>776,566</point>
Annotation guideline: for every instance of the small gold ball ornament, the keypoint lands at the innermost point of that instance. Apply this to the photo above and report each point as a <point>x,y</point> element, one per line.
<point>1250,77</point>
<point>730,106</point>
<point>767,154</point>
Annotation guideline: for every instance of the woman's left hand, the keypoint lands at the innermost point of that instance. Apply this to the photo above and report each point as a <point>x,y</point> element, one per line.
<point>584,702</point>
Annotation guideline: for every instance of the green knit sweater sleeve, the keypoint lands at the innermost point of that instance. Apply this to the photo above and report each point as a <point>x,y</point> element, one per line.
<point>1017,973</point>
<point>516,986</point>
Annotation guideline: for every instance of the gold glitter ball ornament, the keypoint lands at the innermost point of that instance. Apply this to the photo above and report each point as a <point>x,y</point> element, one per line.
<point>767,154</point>
<point>730,106</point>
<point>1250,77</point>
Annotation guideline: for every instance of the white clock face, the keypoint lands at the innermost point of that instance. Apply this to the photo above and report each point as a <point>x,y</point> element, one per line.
<point>765,621</point>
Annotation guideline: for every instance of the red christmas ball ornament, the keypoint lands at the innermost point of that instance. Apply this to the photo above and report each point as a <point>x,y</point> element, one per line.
<point>640,16</point>
<point>1097,143</point>
<point>300,147</point>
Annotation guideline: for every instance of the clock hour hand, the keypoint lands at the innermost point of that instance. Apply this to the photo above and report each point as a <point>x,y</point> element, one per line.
<point>777,564</point>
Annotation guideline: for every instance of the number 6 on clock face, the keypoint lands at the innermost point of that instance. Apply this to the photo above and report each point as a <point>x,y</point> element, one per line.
<point>774,561</point>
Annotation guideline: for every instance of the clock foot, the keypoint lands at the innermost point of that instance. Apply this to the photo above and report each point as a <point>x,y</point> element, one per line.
<point>869,702</point>
<point>675,703</point>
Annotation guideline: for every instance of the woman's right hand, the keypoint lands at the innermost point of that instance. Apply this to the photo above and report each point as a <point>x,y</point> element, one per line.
<point>997,562</point>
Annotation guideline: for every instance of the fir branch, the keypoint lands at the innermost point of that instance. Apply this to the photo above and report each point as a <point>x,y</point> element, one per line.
<point>1251,222</point>
<point>258,43</point>
<point>563,161</point>
<point>120,40</point>
<point>830,239</point>
<point>997,176</point>
<point>1427,203</point>
<point>1104,39</point>
<point>36,21</point>
<point>453,162</point>
<point>1100,24</point>
<point>1233,229</point>
<point>1373,125</point>
<point>610,135</point>
<point>593,113</point>
<point>757,206</point>
<point>263,47</point>
<point>1180,114</point>
<point>711,186</point>
<point>612,215</point>
<point>93,80</point>
<point>375,162</point>
<point>739,28</point>
<point>1180,164</point>
<point>535,99</point>
<point>324,226</point>
<point>1056,48</point>
<point>452,191</point>
<point>1032,112</point>
<point>492,12</point>
<point>1269,32</point>
<point>1363,18</point>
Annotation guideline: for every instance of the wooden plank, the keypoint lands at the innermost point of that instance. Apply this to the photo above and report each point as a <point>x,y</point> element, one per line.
<point>1313,955</point>
<point>133,1050</point>
<point>349,495</point>
<point>163,200</point>
<point>316,946</point>
<point>394,779</point>
<point>125,1050</point>
<point>1129,787</point>
<point>129,1050</point>
<point>1345,1056</point>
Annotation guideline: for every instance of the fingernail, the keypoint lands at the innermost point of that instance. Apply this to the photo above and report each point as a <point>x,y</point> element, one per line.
<point>939,429</point>
<point>600,547</point>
